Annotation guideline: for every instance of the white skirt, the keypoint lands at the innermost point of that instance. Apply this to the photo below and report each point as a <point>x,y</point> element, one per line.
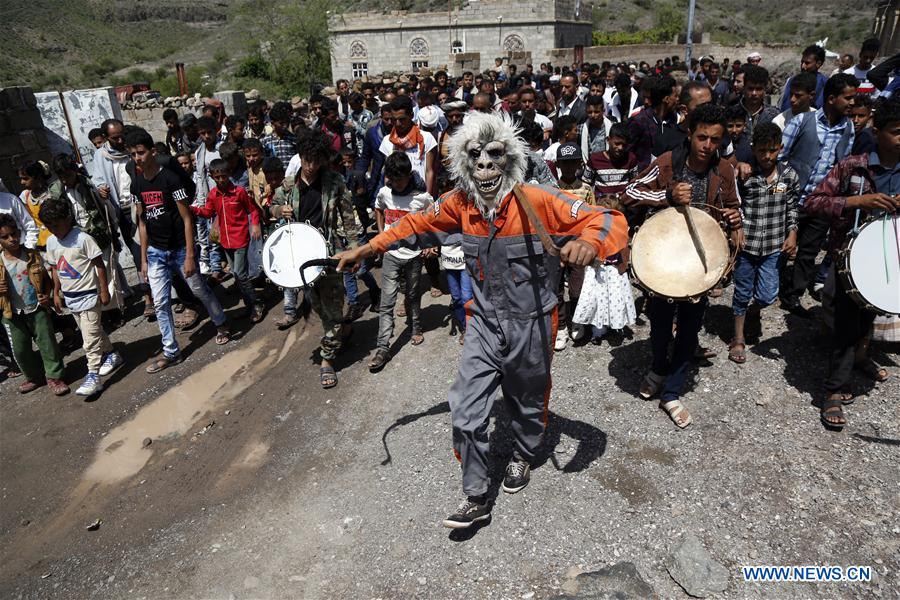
<point>606,299</point>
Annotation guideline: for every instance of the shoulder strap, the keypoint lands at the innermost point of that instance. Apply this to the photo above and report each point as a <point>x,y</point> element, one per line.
<point>532,217</point>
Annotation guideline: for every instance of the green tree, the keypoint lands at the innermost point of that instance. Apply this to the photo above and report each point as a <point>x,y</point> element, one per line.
<point>292,45</point>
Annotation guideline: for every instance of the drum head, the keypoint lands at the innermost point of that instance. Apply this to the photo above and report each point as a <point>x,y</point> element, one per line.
<point>287,248</point>
<point>665,260</point>
<point>875,266</point>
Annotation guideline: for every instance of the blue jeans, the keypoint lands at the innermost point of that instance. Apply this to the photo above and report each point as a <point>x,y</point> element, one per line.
<point>690,320</point>
<point>210,253</point>
<point>460,292</point>
<point>755,278</point>
<point>351,286</point>
<point>161,265</point>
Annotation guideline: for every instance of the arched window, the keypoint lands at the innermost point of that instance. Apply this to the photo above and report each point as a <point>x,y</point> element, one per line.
<point>513,43</point>
<point>457,47</point>
<point>418,48</point>
<point>358,50</point>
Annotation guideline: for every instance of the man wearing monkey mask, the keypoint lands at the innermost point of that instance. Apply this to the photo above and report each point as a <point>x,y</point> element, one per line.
<point>512,316</point>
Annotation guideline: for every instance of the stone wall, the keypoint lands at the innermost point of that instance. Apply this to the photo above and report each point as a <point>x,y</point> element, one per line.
<point>773,55</point>
<point>22,134</point>
<point>392,41</point>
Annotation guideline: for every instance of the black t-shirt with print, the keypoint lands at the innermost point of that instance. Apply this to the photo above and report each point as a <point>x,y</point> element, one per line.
<point>158,195</point>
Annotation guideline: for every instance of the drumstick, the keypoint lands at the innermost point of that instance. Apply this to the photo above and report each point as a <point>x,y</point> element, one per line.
<point>695,237</point>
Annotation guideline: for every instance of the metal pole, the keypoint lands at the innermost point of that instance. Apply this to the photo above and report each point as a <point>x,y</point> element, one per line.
<point>690,35</point>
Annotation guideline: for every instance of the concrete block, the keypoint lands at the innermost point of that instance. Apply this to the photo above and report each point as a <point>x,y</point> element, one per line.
<point>25,119</point>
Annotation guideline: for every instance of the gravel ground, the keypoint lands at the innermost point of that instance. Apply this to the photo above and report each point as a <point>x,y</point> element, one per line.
<point>296,492</point>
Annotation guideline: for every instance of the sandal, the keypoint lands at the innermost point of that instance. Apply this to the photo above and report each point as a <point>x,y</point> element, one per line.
<point>650,385</point>
<point>187,319</point>
<point>149,311</point>
<point>737,351</point>
<point>832,407</point>
<point>870,369</point>
<point>379,359</point>
<point>178,307</point>
<point>401,309</point>
<point>223,335</point>
<point>417,339</point>
<point>676,409</point>
<point>12,373</point>
<point>327,377</point>
<point>286,321</point>
<point>703,353</point>
<point>256,313</point>
<point>163,362</point>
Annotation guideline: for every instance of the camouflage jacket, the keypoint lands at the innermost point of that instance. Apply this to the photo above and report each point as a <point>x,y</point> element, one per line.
<point>338,219</point>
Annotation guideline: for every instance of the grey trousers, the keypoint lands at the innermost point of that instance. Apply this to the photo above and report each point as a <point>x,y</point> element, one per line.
<point>514,356</point>
<point>391,268</point>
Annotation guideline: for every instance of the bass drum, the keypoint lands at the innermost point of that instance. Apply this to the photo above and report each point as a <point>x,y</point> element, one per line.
<point>665,262</point>
<point>289,247</point>
<point>869,266</point>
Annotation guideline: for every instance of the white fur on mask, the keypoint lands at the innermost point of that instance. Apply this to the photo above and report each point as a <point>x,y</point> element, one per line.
<point>484,128</point>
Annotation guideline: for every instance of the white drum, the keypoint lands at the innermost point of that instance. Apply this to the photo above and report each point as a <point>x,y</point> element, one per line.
<point>870,265</point>
<point>287,249</point>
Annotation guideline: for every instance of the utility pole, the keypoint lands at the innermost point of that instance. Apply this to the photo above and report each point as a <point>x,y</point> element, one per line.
<point>690,35</point>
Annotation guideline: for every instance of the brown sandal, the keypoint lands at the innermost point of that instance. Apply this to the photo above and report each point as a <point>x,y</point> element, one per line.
<point>417,339</point>
<point>735,354</point>
<point>163,362</point>
<point>870,369</point>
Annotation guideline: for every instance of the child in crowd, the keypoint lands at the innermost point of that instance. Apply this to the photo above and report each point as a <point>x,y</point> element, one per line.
<point>536,172</point>
<point>861,115</point>
<point>802,90</point>
<point>594,131</point>
<point>238,220</point>
<point>35,178</point>
<point>609,171</point>
<point>80,284</point>
<point>256,178</point>
<point>356,183</point>
<point>769,200</point>
<point>568,164</point>
<point>736,121</point>
<point>186,161</point>
<point>167,246</point>
<point>25,296</point>
<point>210,251</point>
<point>402,194</point>
<point>565,130</point>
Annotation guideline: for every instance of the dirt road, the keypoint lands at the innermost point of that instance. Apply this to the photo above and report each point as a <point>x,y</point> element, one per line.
<point>258,484</point>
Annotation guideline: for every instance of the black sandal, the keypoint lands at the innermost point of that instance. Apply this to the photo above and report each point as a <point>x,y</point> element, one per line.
<point>378,361</point>
<point>834,401</point>
<point>327,377</point>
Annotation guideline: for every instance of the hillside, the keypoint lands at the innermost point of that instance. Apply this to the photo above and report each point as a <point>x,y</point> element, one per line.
<point>52,43</point>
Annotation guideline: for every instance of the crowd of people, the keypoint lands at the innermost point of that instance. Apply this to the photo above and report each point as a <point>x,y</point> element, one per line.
<point>358,158</point>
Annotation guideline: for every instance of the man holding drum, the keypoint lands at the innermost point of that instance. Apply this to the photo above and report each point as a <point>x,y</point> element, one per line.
<point>693,174</point>
<point>855,190</point>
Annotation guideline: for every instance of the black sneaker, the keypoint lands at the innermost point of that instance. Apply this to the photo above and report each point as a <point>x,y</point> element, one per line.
<point>518,474</point>
<point>468,513</point>
<point>374,300</point>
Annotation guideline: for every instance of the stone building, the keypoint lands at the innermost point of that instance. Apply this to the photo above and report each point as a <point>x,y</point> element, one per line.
<point>469,37</point>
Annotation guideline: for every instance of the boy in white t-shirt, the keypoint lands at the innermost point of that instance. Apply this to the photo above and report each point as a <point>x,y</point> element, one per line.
<point>401,195</point>
<point>80,284</point>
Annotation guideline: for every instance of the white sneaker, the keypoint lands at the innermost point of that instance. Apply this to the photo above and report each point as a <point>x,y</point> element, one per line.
<point>111,362</point>
<point>91,385</point>
<point>578,332</point>
<point>562,339</point>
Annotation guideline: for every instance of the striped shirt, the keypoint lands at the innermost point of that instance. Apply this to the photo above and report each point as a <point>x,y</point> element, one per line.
<point>829,138</point>
<point>283,147</point>
<point>770,209</point>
